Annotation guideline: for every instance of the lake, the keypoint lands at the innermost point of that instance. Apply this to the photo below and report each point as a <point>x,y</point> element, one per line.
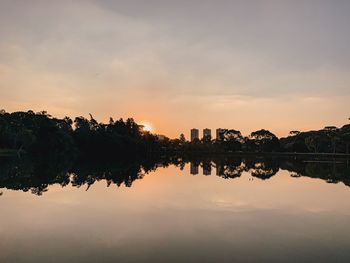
<point>229,209</point>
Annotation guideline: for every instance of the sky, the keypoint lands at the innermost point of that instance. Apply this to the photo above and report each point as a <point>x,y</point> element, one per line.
<point>250,64</point>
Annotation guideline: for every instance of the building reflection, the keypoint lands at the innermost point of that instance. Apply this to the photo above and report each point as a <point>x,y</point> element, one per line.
<point>194,168</point>
<point>234,168</point>
<point>207,168</point>
<point>36,175</point>
<point>219,169</point>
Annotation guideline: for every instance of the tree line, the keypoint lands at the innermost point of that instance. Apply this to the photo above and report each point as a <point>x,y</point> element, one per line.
<point>37,174</point>
<point>40,133</point>
<point>327,140</point>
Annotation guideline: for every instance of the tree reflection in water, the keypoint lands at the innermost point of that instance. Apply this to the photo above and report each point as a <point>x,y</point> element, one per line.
<point>36,175</point>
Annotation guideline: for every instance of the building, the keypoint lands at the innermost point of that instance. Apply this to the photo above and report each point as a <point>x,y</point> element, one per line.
<point>206,133</point>
<point>219,133</point>
<point>194,134</point>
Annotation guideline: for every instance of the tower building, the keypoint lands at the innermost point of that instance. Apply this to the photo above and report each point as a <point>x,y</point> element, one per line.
<point>194,134</point>
<point>206,133</point>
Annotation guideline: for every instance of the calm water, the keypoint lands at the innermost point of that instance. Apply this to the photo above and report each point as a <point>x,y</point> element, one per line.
<point>205,211</point>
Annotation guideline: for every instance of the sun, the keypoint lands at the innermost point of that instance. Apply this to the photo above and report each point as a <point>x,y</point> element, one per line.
<point>147,126</point>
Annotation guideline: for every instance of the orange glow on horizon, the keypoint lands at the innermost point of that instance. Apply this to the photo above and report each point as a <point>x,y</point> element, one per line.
<point>147,126</point>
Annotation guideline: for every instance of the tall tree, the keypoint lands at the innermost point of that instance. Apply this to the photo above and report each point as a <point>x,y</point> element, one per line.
<point>264,140</point>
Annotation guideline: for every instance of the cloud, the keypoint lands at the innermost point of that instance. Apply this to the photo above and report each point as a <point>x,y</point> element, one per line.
<point>237,60</point>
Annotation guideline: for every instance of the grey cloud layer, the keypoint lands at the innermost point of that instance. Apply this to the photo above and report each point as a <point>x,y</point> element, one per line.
<point>227,51</point>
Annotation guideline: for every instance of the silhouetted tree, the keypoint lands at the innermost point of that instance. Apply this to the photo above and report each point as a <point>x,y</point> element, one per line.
<point>232,140</point>
<point>206,138</point>
<point>182,138</point>
<point>332,133</point>
<point>263,141</point>
<point>40,133</point>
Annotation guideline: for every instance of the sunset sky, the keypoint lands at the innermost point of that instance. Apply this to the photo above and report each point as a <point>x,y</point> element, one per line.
<point>279,65</point>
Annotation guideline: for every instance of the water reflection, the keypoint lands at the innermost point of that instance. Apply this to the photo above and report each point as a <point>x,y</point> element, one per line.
<point>266,210</point>
<point>332,171</point>
<point>37,175</point>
